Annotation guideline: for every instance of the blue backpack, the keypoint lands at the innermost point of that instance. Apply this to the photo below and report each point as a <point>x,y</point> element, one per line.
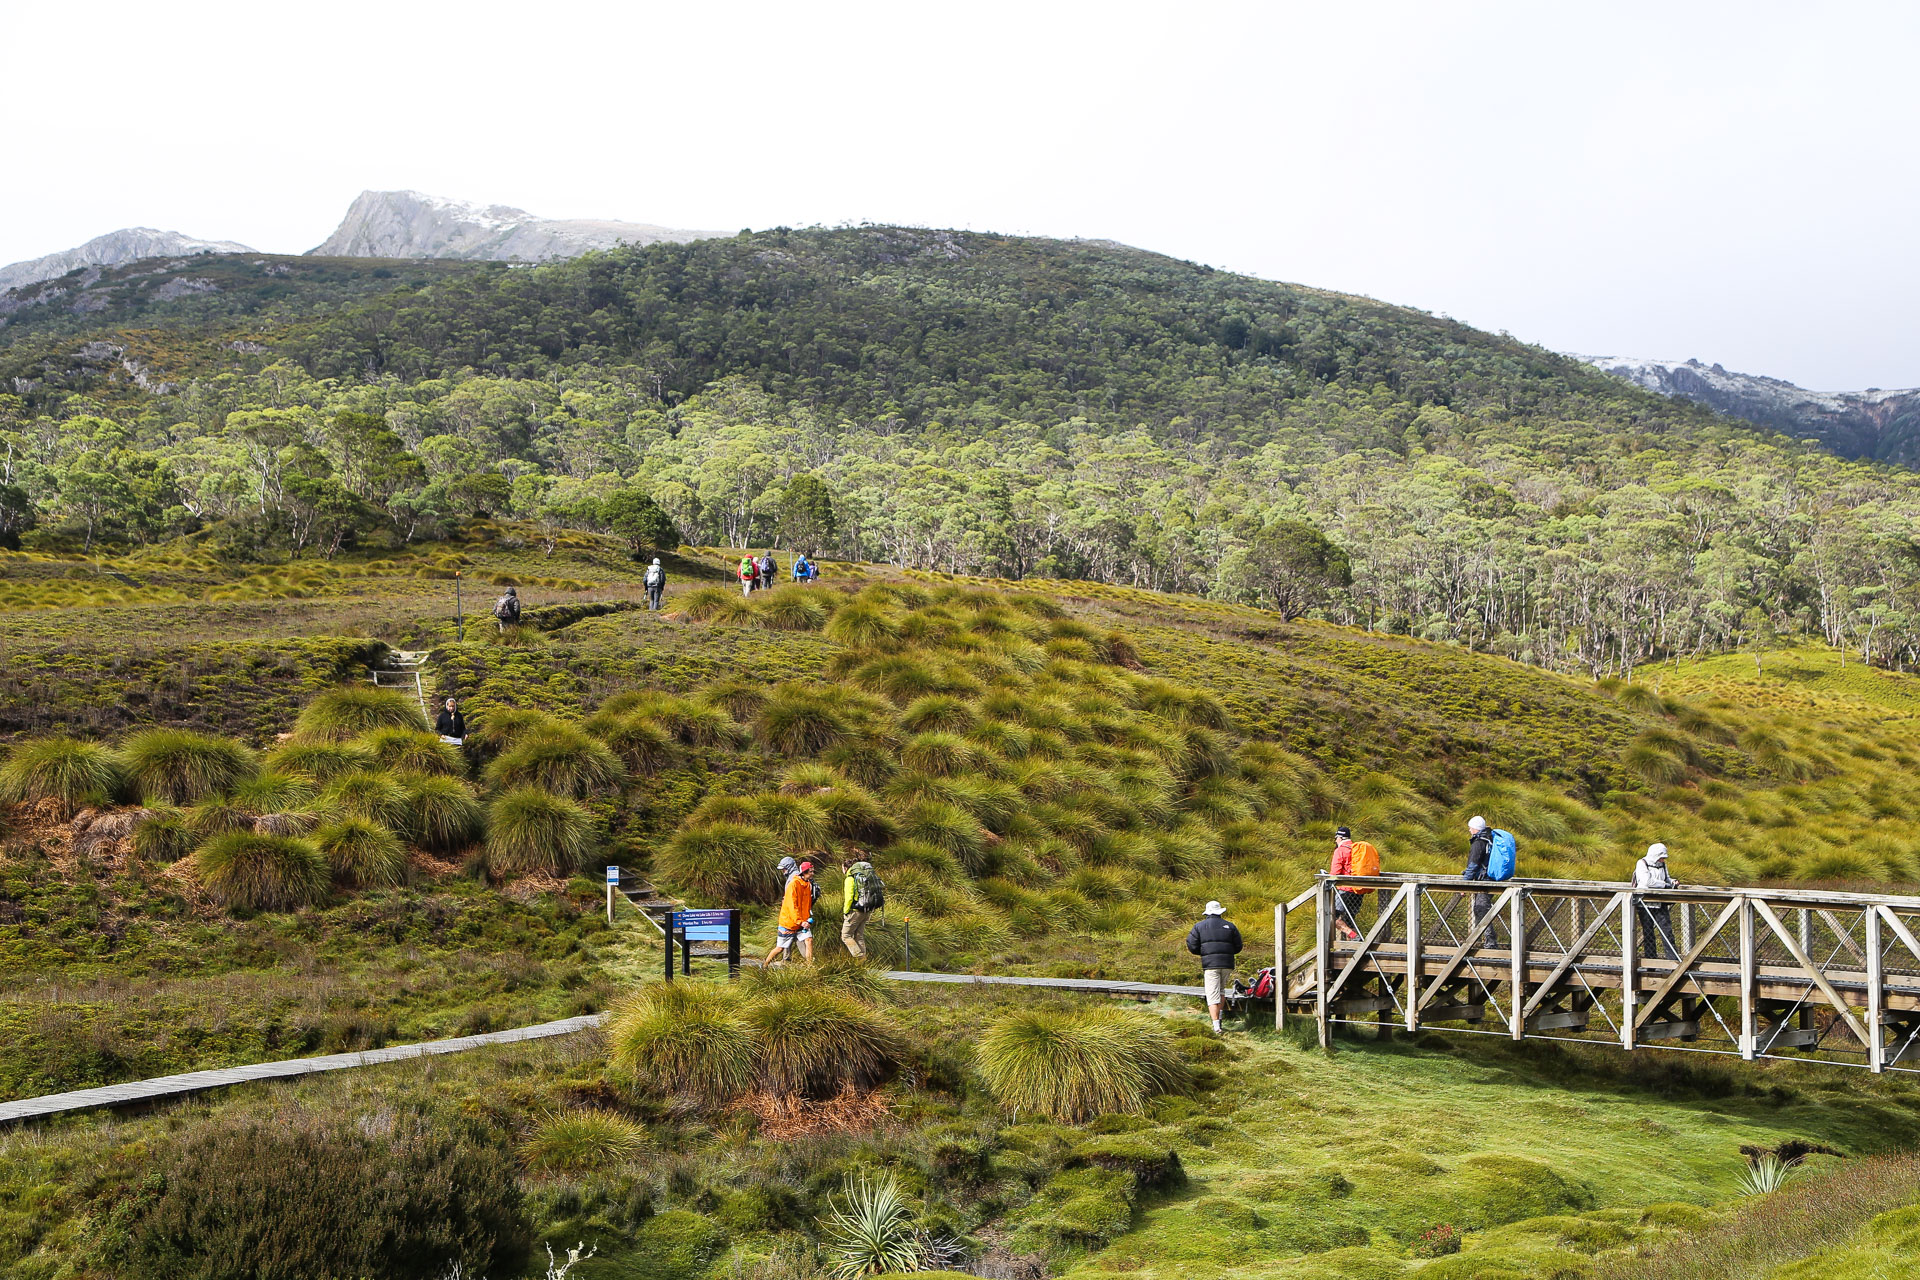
<point>1501,855</point>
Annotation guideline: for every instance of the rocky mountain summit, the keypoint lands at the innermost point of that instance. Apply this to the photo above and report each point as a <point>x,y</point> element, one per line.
<point>407,224</point>
<point>1883,425</point>
<point>126,245</point>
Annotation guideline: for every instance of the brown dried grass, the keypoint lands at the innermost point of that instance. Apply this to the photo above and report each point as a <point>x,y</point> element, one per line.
<point>786,1116</point>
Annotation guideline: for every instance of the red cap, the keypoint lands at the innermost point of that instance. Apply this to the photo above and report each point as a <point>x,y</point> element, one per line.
<point>806,866</point>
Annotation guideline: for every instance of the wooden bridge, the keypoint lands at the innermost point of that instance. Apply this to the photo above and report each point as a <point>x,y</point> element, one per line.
<point>1758,973</point>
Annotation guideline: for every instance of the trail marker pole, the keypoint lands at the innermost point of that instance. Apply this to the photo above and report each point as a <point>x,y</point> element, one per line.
<point>906,935</point>
<point>613,883</point>
<point>459,614</point>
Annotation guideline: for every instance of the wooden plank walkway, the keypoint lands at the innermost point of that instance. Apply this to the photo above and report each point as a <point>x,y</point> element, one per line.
<point>136,1091</point>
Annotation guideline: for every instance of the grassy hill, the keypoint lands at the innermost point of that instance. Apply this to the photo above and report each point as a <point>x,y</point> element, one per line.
<point>1051,776</point>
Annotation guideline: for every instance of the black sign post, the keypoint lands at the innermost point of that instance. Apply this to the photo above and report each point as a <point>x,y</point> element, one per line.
<point>689,927</point>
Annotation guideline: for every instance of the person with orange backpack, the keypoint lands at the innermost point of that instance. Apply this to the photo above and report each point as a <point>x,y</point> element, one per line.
<point>1351,858</point>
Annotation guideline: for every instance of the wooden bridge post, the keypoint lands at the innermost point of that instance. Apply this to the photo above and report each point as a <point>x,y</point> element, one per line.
<point>1517,963</point>
<point>1876,995</point>
<point>1413,959</point>
<point>1323,956</point>
<point>1629,967</point>
<point>1747,1029</point>
<point>1279,965</point>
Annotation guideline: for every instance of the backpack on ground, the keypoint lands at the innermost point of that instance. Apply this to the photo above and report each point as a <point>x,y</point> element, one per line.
<point>1502,853</point>
<point>869,892</point>
<point>507,609</point>
<point>654,575</point>
<point>1366,862</point>
<point>1261,988</point>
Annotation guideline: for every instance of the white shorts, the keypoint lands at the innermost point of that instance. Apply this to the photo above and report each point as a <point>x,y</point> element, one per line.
<point>1219,982</point>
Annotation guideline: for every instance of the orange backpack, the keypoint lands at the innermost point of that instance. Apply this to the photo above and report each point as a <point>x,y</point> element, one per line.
<point>1366,862</point>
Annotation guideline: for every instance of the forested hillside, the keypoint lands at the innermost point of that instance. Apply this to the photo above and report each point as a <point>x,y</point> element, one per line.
<point>954,401</point>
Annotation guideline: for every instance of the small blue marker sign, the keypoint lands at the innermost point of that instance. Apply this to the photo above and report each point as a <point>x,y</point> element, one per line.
<point>613,875</point>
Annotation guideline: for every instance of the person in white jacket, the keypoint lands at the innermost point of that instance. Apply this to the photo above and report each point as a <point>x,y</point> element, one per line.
<point>1656,918</point>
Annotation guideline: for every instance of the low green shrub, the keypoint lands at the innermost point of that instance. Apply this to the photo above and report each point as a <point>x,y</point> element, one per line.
<point>262,873</point>
<point>535,830</point>
<point>163,837</point>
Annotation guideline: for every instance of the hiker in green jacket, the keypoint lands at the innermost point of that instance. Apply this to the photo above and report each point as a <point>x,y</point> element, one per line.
<point>861,896</point>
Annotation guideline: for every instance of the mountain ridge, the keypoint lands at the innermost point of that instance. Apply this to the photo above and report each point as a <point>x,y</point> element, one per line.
<point>129,244</point>
<point>1883,425</point>
<point>411,224</point>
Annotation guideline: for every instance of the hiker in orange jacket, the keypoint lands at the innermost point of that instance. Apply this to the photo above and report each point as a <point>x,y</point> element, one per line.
<point>1346,902</point>
<point>796,918</point>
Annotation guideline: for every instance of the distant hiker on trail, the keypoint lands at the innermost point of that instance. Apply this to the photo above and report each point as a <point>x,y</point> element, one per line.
<point>1215,940</point>
<point>506,610</point>
<point>749,574</point>
<point>1351,858</point>
<point>451,722</point>
<point>1656,918</point>
<point>768,568</point>
<point>802,569</point>
<point>863,894</point>
<point>796,917</point>
<point>655,582</point>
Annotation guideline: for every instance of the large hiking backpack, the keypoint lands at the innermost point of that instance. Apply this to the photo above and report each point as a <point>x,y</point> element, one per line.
<point>654,575</point>
<point>869,892</point>
<point>1501,855</point>
<point>1366,862</point>
<point>1262,986</point>
<point>507,608</point>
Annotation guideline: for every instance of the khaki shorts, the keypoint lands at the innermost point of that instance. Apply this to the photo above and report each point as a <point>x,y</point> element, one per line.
<point>1219,982</point>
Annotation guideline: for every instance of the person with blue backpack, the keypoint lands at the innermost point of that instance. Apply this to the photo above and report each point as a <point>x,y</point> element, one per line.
<point>1491,854</point>
<point>802,569</point>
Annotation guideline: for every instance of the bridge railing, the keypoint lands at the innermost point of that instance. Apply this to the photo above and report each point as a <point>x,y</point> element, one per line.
<point>1759,973</point>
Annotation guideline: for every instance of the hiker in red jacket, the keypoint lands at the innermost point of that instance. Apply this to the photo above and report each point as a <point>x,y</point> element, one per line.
<point>1346,901</point>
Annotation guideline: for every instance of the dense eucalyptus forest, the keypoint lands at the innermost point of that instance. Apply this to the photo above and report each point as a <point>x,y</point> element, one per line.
<point>963,402</point>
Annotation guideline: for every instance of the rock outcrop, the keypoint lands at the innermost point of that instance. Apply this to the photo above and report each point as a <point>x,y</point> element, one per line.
<point>407,224</point>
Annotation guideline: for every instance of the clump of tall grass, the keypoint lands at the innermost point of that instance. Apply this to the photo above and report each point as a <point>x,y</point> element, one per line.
<point>813,1042</point>
<point>500,729</point>
<point>793,609</point>
<point>863,624</point>
<point>1074,1065</point>
<point>361,854</point>
<point>581,1141</point>
<point>535,830</point>
<point>351,710</point>
<point>704,604</point>
<point>683,1039</point>
<point>644,747</point>
<point>941,754</point>
<point>797,721</point>
<point>723,862</point>
<point>67,772</point>
<point>446,815</point>
<point>178,766</point>
<point>376,797</point>
<point>801,824</point>
<point>321,761</point>
<point>413,751</point>
<point>560,759</point>
<point>262,873</point>
<point>163,837</point>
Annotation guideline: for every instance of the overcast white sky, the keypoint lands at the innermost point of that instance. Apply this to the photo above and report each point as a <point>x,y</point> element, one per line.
<point>1735,182</point>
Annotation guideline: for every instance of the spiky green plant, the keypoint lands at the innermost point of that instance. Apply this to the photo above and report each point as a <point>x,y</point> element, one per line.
<point>582,1141</point>
<point>900,676</point>
<point>863,624</point>
<point>1767,1175</point>
<point>704,604</point>
<point>683,1039</point>
<point>362,855</point>
<point>413,751</point>
<point>1652,765</point>
<point>377,797</point>
<point>321,761</point>
<point>351,710</point>
<point>644,747</point>
<point>535,830</point>
<point>723,862</point>
<point>66,772</point>
<point>212,818</point>
<point>797,721</point>
<point>814,1042</point>
<point>178,766</point>
<point>1074,1065</point>
<point>262,873</point>
<point>275,792</point>
<point>446,815</point>
<point>562,760</point>
<point>852,814</point>
<point>870,1231</point>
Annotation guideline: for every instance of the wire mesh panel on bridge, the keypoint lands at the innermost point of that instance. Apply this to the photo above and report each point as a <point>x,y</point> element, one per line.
<point>703,935</point>
<point>1761,973</point>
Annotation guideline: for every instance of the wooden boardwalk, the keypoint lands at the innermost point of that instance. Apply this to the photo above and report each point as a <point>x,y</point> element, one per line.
<point>139,1091</point>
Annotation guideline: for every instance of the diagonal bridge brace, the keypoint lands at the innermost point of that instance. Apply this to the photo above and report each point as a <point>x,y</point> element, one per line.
<point>1572,957</point>
<point>1813,973</point>
<point>1380,926</point>
<point>1686,962</point>
<point>1452,966</point>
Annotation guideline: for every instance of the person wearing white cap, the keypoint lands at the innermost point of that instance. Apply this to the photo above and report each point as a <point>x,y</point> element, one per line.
<point>1479,849</point>
<point>1216,941</point>
<point>1656,918</point>
<point>656,582</point>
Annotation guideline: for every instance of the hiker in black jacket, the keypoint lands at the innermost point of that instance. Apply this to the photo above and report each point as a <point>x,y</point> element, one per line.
<point>1479,849</point>
<point>1216,942</point>
<point>452,721</point>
